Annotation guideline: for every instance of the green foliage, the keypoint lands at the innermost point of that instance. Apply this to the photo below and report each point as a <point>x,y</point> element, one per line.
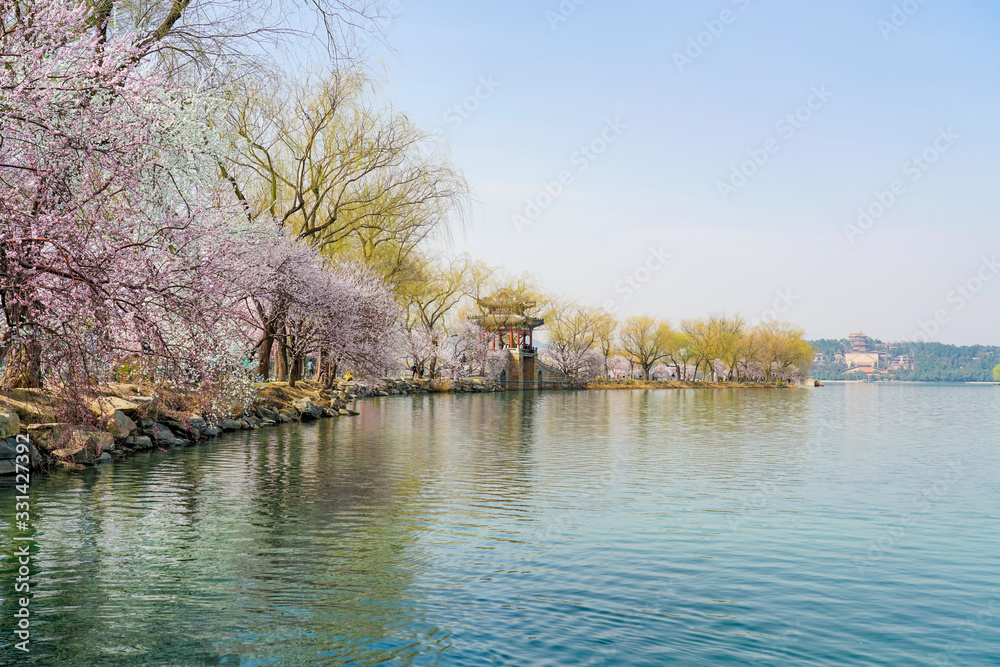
<point>828,347</point>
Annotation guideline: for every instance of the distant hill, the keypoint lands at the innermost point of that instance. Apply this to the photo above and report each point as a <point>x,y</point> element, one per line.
<point>929,362</point>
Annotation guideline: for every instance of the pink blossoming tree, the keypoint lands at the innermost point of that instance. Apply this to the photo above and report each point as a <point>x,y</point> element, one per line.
<point>341,312</point>
<point>114,237</point>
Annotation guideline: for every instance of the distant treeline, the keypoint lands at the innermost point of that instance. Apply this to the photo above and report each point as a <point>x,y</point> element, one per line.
<point>932,362</point>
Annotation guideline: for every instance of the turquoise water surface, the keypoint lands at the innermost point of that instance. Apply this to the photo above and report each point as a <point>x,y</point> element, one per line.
<point>852,524</point>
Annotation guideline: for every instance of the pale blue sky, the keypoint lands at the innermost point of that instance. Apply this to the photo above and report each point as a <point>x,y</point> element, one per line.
<point>656,184</point>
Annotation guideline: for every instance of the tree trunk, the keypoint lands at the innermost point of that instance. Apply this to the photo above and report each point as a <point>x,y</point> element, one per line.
<point>24,367</point>
<point>321,369</point>
<point>331,374</point>
<point>295,373</point>
<point>329,367</point>
<point>264,355</point>
<point>281,363</point>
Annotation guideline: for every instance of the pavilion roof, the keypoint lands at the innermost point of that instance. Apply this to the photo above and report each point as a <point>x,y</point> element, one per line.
<point>503,302</point>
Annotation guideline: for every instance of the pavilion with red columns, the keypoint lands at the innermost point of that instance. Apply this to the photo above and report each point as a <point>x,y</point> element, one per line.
<point>506,325</point>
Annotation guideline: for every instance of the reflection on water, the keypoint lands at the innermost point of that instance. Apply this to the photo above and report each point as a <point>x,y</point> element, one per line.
<point>848,525</point>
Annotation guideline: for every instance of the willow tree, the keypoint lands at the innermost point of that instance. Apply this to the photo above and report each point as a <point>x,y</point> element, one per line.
<point>731,334</point>
<point>644,341</point>
<point>783,350</point>
<point>429,293</point>
<point>224,40</point>
<point>340,173</point>
<point>750,351</point>
<point>700,342</point>
<point>572,332</point>
<point>605,327</point>
<point>716,338</point>
<point>678,352</point>
<point>352,180</point>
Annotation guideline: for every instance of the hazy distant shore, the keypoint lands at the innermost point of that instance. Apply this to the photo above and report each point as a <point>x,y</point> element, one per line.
<point>681,384</point>
<point>909,382</point>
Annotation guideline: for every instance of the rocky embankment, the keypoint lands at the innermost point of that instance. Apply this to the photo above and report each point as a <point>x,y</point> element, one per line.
<point>393,387</point>
<point>127,419</point>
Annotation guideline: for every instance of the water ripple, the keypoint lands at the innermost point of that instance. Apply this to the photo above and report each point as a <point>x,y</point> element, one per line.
<point>840,526</point>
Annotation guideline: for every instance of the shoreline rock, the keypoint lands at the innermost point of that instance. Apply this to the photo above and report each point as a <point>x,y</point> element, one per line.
<point>407,387</point>
<point>137,424</point>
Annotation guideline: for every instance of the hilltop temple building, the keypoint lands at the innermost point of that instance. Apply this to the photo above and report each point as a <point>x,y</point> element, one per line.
<point>862,355</point>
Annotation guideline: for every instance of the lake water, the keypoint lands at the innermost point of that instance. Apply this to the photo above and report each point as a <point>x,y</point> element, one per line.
<point>852,524</point>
